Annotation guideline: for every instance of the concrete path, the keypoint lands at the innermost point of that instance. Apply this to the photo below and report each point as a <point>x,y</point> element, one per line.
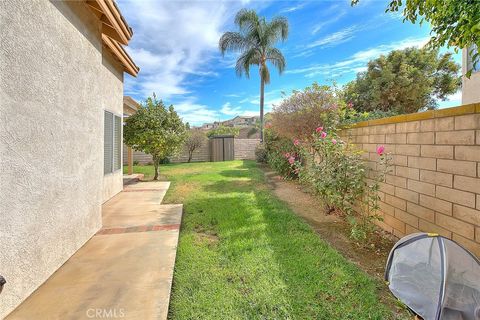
<point>125,271</point>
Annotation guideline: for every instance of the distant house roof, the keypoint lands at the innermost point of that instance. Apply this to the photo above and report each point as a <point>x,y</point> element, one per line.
<point>115,31</point>
<point>130,106</point>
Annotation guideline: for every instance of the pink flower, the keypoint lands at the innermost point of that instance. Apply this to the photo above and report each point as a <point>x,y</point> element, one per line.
<point>287,155</point>
<point>350,105</point>
<point>291,160</point>
<point>334,141</point>
<point>296,142</point>
<point>319,129</point>
<point>323,135</point>
<point>380,150</point>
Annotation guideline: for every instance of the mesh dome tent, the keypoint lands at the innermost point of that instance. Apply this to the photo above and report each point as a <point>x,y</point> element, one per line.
<point>435,277</point>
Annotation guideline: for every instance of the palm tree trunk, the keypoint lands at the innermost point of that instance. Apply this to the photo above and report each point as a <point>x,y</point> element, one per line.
<point>262,91</point>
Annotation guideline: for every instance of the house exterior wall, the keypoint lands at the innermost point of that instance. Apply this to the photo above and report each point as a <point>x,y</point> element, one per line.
<point>112,80</point>
<point>434,185</point>
<point>470,87</point>
<point>54,86</point>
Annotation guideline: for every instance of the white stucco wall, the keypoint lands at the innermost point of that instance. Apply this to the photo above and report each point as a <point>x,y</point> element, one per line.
<point>112,80</point>
<point>470,87</point>
<point>54,86</point>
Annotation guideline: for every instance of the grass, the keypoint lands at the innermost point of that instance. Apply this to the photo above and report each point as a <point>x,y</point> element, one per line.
<point>243,254</point>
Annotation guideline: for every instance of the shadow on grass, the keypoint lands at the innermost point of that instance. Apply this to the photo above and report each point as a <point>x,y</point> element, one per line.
<point>267,263</point>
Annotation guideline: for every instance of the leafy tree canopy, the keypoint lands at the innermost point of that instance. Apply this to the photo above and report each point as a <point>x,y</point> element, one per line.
<point>155,130</point>
<point>298,115</point>
<point>404,81</point>
<point>454,22</point>
<point>223,130</point>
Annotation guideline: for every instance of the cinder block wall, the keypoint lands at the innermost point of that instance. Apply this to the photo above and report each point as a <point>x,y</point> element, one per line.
<point>244,150</point>
<point>435,181</point>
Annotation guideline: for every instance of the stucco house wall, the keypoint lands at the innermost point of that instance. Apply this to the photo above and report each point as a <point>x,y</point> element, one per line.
<point>470,87</point>
<point>112,80</point>
<point>54,86</point>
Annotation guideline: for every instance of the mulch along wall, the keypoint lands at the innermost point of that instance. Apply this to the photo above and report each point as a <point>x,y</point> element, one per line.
<point>434,185</point>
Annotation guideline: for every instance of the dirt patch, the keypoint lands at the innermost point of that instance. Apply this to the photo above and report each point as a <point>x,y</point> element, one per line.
<point>370,257</point>
<point>205,237</point>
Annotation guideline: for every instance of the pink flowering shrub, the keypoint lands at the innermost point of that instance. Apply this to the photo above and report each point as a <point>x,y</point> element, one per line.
<point>339,175</point>
<point>283,155</point>
<point>303,143</point>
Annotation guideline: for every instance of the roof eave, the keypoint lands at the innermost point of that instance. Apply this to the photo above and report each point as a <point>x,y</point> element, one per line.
<point>113,23</point>
<point>119,52</point>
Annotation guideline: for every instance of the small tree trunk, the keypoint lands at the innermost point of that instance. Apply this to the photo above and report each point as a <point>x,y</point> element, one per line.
<point>190,154</point>
<point>262,98</point>
<point>156,164</point>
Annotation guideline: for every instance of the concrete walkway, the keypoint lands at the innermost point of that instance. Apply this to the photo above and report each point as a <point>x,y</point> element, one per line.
<point>125,271</point>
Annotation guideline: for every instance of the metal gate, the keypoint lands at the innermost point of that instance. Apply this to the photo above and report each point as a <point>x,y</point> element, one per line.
<point>222,148</point>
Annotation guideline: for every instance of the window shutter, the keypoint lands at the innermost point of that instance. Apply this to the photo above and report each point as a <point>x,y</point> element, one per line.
<point>108,143</point>
<point>117,144</point>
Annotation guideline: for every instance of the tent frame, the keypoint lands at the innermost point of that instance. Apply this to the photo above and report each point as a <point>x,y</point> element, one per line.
<point>441,244</point>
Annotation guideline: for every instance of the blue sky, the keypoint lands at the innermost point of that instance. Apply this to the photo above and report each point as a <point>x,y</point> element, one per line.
<point>175,44</point>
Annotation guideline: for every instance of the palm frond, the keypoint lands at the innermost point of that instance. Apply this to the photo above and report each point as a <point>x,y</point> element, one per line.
<point>277,30</point>
<point>276,58</point>
<point>233,41</point>
<point>248,58</point>
<point>265,74</point>
<point>247,20</point>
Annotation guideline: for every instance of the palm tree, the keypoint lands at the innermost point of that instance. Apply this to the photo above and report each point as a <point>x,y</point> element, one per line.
<point>255,42</point>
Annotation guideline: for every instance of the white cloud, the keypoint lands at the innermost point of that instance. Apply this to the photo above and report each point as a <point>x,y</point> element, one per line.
<point>229,111</point>
<point>194,113</point>
<point>232,95</point>
<point>319,26</point>
<point>251,113</point>
<point>172,40</point>
<point>294,8</point>
<point>335,38</point>
<point>357,62</point>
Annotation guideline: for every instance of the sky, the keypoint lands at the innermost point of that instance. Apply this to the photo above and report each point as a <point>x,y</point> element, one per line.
<point>175,44</point>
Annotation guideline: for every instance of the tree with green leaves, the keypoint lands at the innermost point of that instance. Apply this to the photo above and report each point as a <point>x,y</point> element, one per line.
<point>255,42</point>
<point>404,81</point>
<point>156,130</point>
<point>222,130</point>
<point>454,22</point>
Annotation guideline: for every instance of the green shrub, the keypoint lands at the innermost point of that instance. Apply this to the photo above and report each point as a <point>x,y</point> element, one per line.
<point>222,131</point>
<point>333,168</point>
<point>336,171</point>
<point>165,160</point>
<point>261,153</point>
<point>354,116</point>
<point>283,155</point>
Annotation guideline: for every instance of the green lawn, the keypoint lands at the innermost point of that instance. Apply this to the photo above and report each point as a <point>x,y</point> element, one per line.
<point>244,255</point>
